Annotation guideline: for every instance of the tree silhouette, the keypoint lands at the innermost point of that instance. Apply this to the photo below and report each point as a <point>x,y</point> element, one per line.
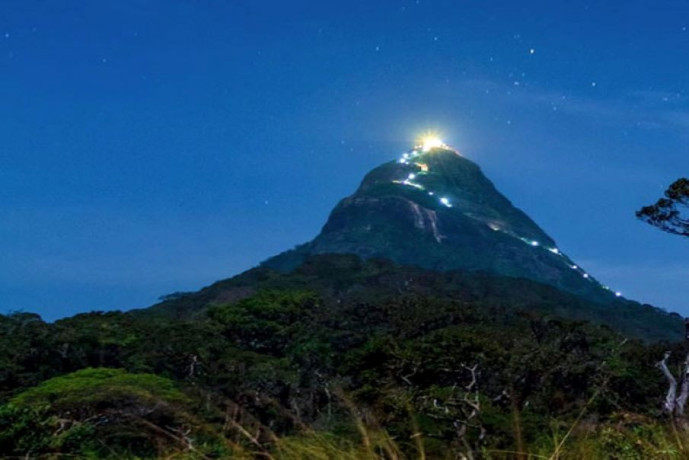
<point>667,213</point>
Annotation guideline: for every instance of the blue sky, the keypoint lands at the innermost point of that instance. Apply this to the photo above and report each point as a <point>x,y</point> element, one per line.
<point>157,146</point>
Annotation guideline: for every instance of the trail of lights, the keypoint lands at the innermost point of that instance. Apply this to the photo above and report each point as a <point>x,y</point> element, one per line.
<point>408,159</point>
<point>557,252</point>
<point>432,143</point>
<point>409,183</point>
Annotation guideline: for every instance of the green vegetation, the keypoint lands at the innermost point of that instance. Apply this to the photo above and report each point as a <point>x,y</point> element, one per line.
<point>103,413</point>
<point>339,359</point>
<point>347,279</point>
<point>669,213</point>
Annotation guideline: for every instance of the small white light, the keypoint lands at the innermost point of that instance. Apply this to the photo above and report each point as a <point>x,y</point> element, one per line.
<point>431,193</point>
<point>586,275</point>
<point>412,176</point>
<point>574,267</point>
<point>554,250</point>
<point>618,294</point>
<point>446,202</point>
<point>534,243</point>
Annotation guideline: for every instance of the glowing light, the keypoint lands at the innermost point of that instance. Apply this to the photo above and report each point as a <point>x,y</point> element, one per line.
<point>574,267</point>
<point>430,140</point>
<point>412,176</point>
<point>494,227</point>
<point>586,275</point>
<point>408,183</point>
<point>534,243</point>
<point>431,193</point>
<point>618,294</point>
<point>432,143</point>
<point>554,250</point>
<point>446,202</point>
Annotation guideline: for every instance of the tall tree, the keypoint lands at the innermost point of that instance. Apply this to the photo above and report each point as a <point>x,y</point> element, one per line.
<point>671,213</point>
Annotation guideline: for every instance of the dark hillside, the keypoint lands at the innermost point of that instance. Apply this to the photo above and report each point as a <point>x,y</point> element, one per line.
<point>435,209</point>
<point>347,278</point>
<point>334,348</point>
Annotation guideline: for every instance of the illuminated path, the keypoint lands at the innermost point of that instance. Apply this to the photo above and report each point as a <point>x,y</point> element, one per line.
<point>429,143</point>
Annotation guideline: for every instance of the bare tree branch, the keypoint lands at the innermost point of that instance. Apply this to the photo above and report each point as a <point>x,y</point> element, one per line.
<point>684,389</point>
<point>670,398</point>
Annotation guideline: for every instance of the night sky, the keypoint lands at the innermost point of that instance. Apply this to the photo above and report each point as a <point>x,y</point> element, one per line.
<point>153,146</point>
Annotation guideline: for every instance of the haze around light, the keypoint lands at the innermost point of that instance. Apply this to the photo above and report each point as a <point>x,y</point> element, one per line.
<point>430,140</point>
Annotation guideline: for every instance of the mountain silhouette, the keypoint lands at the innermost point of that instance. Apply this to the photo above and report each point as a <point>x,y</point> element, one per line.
<point>435,209</point>
<point>431,225</point>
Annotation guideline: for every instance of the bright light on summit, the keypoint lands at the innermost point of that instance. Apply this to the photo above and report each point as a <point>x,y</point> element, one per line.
<point>430,143</point>
<point>430,140</point>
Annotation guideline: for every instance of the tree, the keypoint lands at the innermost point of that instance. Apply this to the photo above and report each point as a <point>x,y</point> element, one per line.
<point>666,214</point>
<point>104,413</point>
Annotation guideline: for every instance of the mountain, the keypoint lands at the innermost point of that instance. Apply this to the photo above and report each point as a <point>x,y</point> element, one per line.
<point>435,209</point>
<point>442,329</point>
<point>345,282</point>
<point>341,352</point>
<point>432,225</point>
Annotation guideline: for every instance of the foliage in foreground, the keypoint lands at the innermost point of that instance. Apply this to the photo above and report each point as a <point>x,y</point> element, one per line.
<point>296,373</point>
<point>102,413</point>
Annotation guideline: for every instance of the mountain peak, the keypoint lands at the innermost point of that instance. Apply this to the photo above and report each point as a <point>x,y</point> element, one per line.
<point>434,208</point>
<point>442,179</point>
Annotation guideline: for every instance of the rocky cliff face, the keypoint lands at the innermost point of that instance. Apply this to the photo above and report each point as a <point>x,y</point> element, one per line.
<point>435,209</point>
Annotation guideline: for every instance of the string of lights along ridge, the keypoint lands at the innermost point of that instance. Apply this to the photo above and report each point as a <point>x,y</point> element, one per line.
<point>431,141</point>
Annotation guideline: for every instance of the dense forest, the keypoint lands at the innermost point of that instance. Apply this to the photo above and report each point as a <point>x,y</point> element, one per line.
<point>343,359</point>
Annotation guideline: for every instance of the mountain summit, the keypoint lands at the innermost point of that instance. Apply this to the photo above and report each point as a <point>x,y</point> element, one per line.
<point>435,209</point>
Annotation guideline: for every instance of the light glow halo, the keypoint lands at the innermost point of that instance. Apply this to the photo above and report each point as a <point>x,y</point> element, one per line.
<point>430,140</point>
